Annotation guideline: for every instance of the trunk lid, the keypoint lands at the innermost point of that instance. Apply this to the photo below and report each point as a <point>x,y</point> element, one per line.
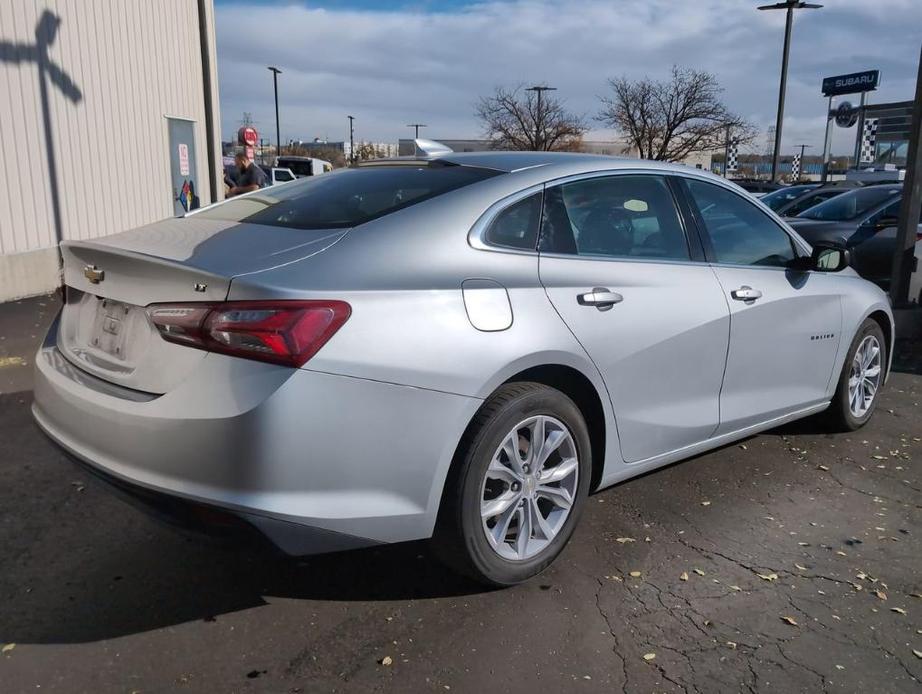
<point>104,328</point>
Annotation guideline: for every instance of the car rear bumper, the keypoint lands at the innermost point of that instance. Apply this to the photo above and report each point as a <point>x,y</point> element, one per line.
<point>316,462</point>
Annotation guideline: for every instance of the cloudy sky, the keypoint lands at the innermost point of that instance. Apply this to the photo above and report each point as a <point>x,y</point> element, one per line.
<point>394,62</point>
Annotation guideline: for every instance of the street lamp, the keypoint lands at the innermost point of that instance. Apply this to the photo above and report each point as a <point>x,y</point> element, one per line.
<point>790,6</point>
<point>275,84</point>
<point>417,126</point>
<point>539,89</point>
<point>351,139</point>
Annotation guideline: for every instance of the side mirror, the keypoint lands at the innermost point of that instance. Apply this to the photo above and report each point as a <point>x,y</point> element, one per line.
<point>829,258</point>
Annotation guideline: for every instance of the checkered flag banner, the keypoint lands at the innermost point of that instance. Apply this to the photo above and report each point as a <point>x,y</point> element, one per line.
<point>868,141</point>
<point>795,167</point>
<point>731,157</point>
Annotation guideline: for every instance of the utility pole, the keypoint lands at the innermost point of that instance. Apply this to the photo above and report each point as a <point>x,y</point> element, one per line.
<point>539,116</point>
<point>351,139</point>
<point>416,126</point>
<point>275,85</point>
<point>911,209</point>
<point>789,6</point>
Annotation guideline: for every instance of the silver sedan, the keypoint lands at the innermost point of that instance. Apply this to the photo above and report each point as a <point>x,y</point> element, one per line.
<point>458,347</point>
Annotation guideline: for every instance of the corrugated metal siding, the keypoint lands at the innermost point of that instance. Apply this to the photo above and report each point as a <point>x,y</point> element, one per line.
<point>135,62</point>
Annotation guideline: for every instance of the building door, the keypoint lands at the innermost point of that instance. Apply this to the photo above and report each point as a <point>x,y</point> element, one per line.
<point>183,183</point>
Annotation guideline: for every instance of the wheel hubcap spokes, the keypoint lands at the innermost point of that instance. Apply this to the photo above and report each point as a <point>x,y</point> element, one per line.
<point>864,376</point>
<point>529,487</point>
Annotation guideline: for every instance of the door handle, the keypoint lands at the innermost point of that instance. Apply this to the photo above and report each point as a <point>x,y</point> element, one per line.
<point>600,297</point>
<point>745,293</point>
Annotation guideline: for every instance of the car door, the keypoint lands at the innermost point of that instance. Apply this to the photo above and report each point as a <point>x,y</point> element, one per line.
<point>617,266</point>
<point>785,324</point>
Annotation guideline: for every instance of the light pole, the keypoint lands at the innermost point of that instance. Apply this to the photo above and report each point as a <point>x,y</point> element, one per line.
<point>790,6</point>
<point>416,126</point>
<point>275,85</point>
<point>351,138</point>
<point>539,118</point>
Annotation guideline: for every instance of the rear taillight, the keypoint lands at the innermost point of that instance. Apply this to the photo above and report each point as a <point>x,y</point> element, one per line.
<point>281,332</point>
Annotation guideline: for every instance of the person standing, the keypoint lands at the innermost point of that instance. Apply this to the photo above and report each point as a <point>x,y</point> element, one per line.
<point>249,176</point>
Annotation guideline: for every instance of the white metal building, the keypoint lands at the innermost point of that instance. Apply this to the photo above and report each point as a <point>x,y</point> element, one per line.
<point>108,120</point>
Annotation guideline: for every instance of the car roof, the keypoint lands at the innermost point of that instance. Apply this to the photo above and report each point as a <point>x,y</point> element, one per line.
<point>551,163</point>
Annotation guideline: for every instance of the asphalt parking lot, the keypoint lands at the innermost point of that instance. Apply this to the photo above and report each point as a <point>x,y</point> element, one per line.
<point>789,562</point>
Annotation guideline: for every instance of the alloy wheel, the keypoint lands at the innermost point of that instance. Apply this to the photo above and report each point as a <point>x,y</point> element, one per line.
<point>529,488</point>
<point>864,377</point>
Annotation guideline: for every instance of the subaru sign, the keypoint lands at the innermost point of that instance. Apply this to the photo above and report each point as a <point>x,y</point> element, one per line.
<point>851,84</point>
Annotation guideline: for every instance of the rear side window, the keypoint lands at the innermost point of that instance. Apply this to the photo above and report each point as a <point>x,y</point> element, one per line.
<point>517,225</point>
<point>623,216</point>
<point>348,197</point>
<point>740,233</point>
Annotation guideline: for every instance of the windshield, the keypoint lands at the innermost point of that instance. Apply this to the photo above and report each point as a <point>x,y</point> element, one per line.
<point>348,197</point>
<point>777,198</point>
<point>850,205</point>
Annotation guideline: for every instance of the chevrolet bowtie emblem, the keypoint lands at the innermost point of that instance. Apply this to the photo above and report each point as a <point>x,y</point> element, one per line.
<point>94,274</point>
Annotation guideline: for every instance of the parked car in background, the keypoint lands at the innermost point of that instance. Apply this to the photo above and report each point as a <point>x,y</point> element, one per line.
<point>864,221</point>
<point>277,174</point>
<point>782,196</point>
<point>792,200</point>
<point>304,166</point>
<point>459,347</point>
<point>756,187</point>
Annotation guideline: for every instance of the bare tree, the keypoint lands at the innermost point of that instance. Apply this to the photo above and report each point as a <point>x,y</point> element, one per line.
<point>669,120</point>
<point>528,120</point>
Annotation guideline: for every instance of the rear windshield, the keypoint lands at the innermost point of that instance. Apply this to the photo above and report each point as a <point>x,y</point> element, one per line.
<point>777,198</point>
<point>850,205</point>
<point>348,197</point>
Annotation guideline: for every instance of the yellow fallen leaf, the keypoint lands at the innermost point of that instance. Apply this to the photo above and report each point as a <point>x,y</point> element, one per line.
<point>735,588</point>
<point>683,576</point>
<point>789,620</point>
<point>386,660</point>
<point>635,574</point>
<point>649,656</point>
<point>822,467</point>
<point>698,571</point>
<point>624,540</point>
<point>881,594</point>
<point>798,566</point>
<point>840,667</point>
<point>898,610</point>
<point>7,648</point>
<point>768,577</point>
<point>732,644</point>
<point>705,503</point>
<point>917,654</point>
<point>841,553</point>
<point>915,595</point>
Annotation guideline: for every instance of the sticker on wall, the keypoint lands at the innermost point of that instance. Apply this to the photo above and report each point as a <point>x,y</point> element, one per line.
<point>187,197</point>
<point>183,159</point>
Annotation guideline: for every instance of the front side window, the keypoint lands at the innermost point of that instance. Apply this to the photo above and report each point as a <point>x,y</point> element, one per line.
<point>348,197</point>
<point>740,233</point>
<point>614,216</point>
<point>517,225</point>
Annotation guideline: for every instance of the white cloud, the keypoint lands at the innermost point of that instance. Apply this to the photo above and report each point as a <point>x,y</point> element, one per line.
<point>389,68</point>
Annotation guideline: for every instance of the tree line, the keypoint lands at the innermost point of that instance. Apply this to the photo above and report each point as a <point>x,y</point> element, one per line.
<point>666,120</point>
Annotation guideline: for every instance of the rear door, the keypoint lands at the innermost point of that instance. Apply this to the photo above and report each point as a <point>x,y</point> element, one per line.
<point>618,268</point>
<point>784,324</point>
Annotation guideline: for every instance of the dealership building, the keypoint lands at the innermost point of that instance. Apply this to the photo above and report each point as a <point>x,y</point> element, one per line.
<point>109,120</point>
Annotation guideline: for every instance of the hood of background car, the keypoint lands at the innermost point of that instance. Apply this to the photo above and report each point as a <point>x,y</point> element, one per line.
<point>812,230</point>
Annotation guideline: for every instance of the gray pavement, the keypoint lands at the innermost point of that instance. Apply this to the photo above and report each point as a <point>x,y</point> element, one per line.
<point>790,562</point>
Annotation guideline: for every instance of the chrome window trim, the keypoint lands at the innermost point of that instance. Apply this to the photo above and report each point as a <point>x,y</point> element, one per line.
<point>475,235</point>
<point>623,259</point>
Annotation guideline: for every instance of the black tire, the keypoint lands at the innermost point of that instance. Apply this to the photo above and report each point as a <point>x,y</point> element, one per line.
<point>839,414</point>
<point>459,539</point>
